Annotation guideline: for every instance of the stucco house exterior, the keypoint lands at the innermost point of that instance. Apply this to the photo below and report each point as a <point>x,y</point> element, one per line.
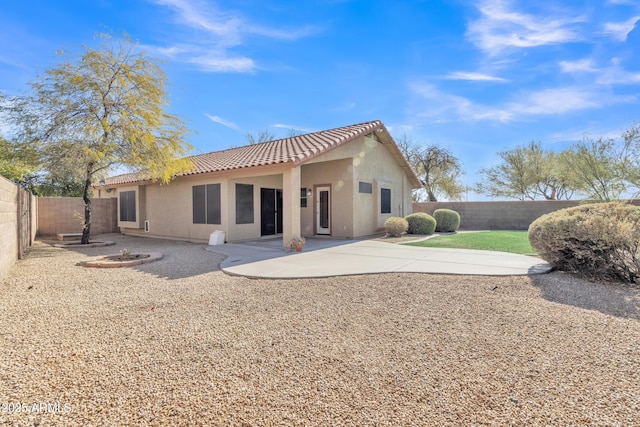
<point>342,182</point>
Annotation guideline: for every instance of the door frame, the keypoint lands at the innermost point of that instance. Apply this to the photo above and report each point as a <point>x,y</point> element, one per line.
<point>277,210</point>
<point>316,208</point>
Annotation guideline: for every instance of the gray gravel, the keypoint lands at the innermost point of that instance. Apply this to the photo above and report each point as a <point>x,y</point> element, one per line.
<point>178,342</point>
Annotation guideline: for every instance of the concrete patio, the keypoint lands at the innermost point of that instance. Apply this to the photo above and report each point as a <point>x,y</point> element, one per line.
<point>328,257</point>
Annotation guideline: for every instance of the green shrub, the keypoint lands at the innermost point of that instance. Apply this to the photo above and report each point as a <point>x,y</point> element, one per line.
<point>446,220</point>
<point>599,241</point>
<point>420,223</point>
<point>395,226</point>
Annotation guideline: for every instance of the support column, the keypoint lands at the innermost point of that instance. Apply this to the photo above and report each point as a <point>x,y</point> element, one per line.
<point>290,205</point>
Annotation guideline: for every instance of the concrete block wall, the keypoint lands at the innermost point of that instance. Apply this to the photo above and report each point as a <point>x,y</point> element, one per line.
<point>508,215</point>
<point>8,225</point>
<point>65,214</point>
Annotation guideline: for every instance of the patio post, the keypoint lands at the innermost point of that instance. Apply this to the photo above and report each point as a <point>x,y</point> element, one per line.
<point>290,205</point>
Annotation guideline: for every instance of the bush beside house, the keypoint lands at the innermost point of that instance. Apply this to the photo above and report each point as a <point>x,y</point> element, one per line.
<point>420,223</point>
<point>396,226</point>
<point>447,220</point>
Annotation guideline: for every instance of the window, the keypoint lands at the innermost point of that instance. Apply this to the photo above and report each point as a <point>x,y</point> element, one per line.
<point>303,197</point>
<point>385,200</point>
<point>244,204</point>
<point>206,204</point>
<point>128,206</point>
<point>365,187</point>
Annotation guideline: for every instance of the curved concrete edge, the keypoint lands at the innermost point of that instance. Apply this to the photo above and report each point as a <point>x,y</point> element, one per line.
<point>77,244</point>
<point>371,257</point>
<point>102,262</point>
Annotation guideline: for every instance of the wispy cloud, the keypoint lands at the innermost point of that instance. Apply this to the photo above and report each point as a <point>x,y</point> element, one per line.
<point>288,34</point>
<point>211,61</point>
<point>632,2</point>
<point>557,101</point>
<point>612,74</point>
<point>472,76</point>
<point>586,65</point>
<point>444,107</point>
<point>292,127</point>
<point>204,59</point>
<point>501,27</point>
<point>203,16</point>
<point>223,122</point>
<point>215,33</point>
<point>619,31</point>
<point>617,76</point>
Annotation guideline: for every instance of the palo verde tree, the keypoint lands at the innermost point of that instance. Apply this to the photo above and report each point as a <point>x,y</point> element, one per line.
<point>101,109</point>
<point>529,173</point>
<point>438,168</point>
<point>599,168</point>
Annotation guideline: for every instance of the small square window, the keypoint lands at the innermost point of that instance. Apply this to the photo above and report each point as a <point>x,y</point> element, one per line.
<point>365,187</point>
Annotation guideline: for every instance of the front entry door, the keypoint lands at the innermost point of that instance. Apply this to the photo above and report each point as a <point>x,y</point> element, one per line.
<point>323,210</point>
<point>271,211</point>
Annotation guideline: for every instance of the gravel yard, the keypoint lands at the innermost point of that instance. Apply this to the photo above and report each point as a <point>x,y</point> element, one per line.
<point>177,342</point>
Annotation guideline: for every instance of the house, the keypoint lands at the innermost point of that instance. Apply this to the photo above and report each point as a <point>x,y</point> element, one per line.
<point>342,182</point>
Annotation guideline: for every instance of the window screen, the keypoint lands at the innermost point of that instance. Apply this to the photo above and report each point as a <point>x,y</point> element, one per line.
<point>206,204</point>
<point>385,200</point>
<point>128,206</point>
<point>365,187</point>
<point>244,204</point>
<point>199,204</point>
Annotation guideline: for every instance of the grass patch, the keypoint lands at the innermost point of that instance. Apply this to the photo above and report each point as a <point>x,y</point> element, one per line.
<point>516,242</point>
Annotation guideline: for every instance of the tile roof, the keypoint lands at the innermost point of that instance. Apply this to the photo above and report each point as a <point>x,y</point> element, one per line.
<point>295,150</point>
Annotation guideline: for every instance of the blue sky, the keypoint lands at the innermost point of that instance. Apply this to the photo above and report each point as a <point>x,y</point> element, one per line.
<point>476,77</point>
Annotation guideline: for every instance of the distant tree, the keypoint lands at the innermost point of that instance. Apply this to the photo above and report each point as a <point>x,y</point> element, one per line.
<point>439,169</point>
<point>19,163</point>
<point>630,157</point>
<point>598,168</point>
<point>59,187</point>
<point>259,137</point>
<point>528,173</point>
<point>294,132</point>
<point>101,109</point>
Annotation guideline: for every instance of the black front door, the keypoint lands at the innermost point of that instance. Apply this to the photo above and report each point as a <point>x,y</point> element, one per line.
<point>271,208</point>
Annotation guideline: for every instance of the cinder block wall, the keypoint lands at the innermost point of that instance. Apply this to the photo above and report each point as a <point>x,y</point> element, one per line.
<point>64,215</point>
<point>8,225</point>
<point>509,215</point>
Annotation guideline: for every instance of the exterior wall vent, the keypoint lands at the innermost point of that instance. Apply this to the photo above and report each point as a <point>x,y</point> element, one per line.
<point>146,226</point>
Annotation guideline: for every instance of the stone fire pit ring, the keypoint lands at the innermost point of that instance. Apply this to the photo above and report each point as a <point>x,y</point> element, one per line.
<point>116,261</point>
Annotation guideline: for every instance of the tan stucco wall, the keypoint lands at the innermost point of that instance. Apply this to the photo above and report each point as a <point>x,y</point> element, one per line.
<point>248,231</point>
<point>335,174</point>
<point>169,208</point>
<point>356,214</point>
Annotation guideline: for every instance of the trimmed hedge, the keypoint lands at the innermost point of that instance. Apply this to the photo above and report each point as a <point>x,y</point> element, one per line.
<point>396,226</point>
<point>420,223</point>
<point>599,241</point>
<point>447,220</point>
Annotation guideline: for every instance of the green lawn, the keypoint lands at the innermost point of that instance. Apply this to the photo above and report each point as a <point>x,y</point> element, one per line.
<point>505,241</point>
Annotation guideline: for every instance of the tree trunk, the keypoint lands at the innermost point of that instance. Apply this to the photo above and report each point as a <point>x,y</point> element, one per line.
<point>431,197</point>
<point>86,229</point>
